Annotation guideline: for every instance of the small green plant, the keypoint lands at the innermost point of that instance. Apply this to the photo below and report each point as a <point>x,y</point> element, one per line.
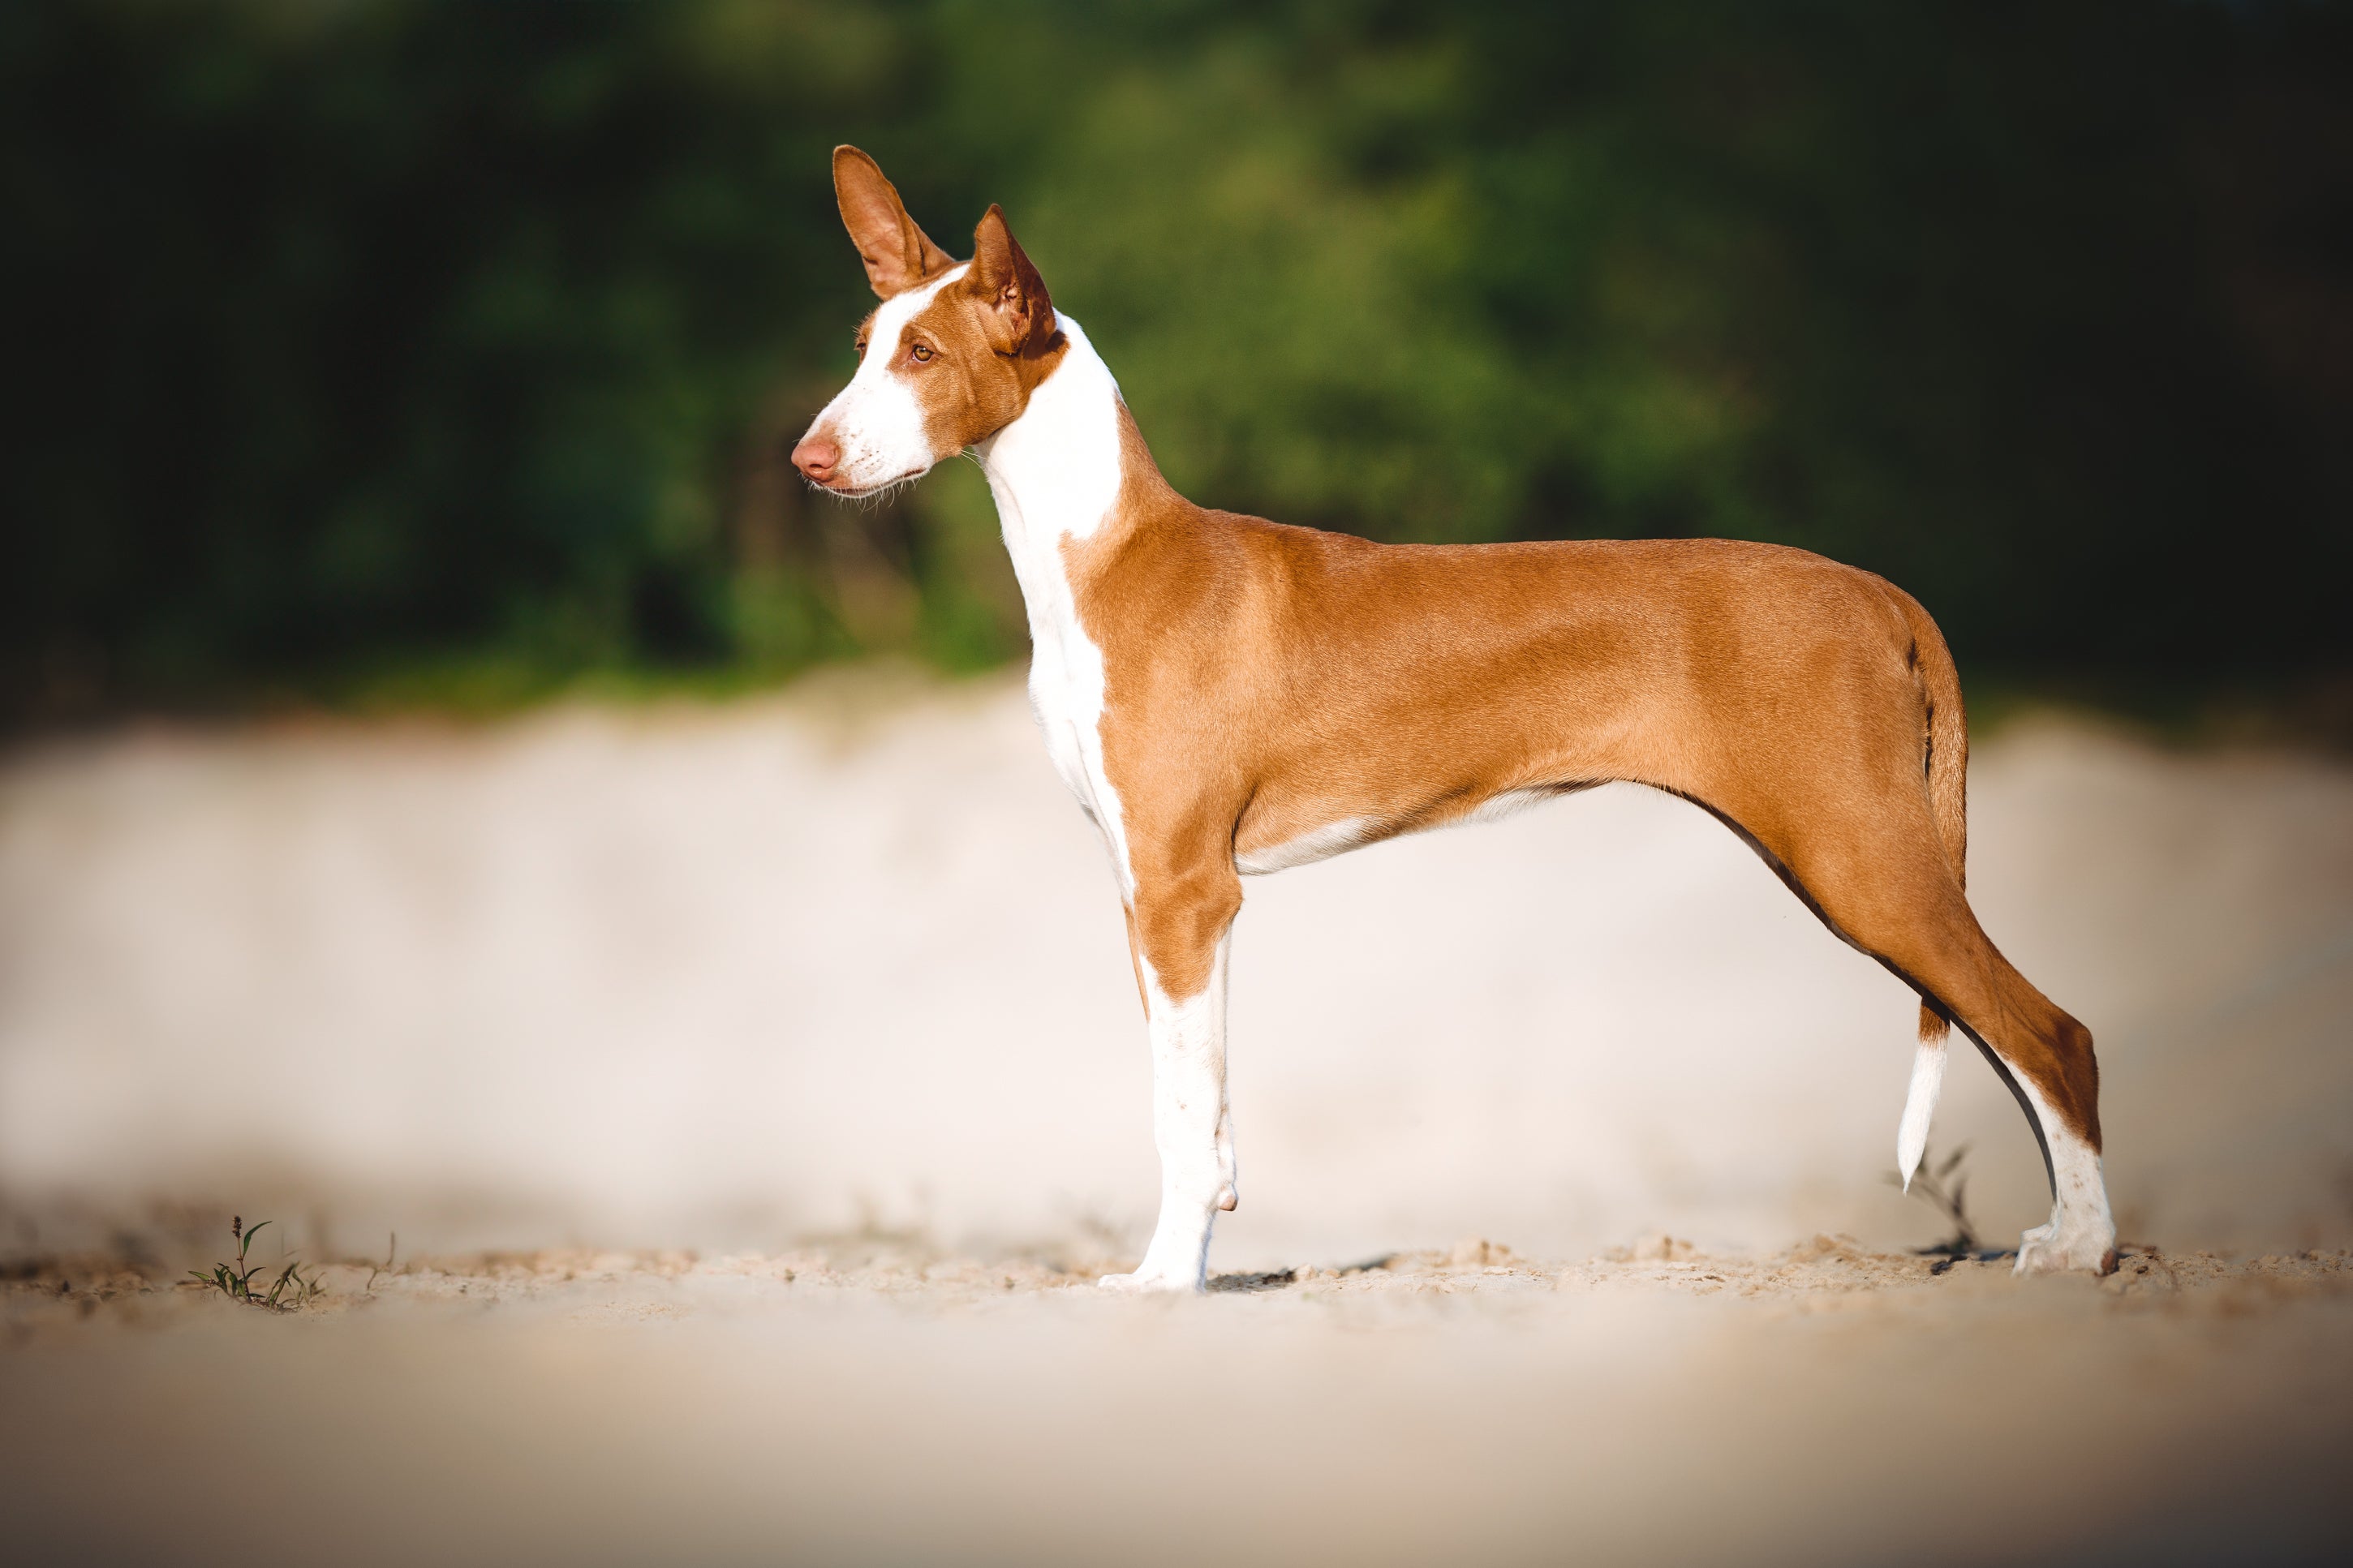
<point>1931,1186</point>
<point>235,1280</point>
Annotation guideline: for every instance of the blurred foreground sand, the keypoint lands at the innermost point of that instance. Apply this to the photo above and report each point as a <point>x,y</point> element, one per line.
<point>820,1003</point>
<point>857,1403</point>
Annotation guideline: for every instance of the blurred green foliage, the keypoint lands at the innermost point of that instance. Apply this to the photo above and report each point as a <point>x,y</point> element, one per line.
<point>452,351</point>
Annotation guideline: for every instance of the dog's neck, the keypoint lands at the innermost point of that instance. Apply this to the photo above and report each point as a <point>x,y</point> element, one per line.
<point>1056,470</point>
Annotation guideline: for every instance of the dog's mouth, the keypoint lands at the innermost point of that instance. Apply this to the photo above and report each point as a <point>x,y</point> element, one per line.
<point>857,492</point>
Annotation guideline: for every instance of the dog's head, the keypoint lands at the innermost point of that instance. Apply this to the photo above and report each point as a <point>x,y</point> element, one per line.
<point>949,358</point>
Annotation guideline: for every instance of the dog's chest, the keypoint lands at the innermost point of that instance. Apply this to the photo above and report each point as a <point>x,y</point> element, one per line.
<point>1066,664</point>
<point>1066,693</point>
<point>1066,676</point>
<point>1069,706</point>
<point>1055,474</point>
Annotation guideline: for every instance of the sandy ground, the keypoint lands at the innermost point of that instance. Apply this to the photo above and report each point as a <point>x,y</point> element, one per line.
<point>859,1403</point>
<point>755,1089</point>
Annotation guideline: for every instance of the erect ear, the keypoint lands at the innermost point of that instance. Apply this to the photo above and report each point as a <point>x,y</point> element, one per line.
<point>1020,318</point>
<point>897,254</point>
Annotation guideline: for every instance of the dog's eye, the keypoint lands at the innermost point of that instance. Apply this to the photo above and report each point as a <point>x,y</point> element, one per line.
<point>861,348</point>
<point>922,352</point>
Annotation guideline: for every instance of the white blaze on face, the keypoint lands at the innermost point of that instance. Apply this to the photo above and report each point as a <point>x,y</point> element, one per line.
<point>876,421</point>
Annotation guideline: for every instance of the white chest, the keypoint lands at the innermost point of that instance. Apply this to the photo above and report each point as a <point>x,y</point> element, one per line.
<point>1066,693</point>
<point>1055,474</point>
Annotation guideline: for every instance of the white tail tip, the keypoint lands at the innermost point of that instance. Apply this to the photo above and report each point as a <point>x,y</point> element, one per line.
<point>1919,1107</point>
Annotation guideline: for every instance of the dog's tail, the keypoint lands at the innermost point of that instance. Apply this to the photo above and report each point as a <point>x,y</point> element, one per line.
<point>1920,1104</point>
<point>1945,741</point>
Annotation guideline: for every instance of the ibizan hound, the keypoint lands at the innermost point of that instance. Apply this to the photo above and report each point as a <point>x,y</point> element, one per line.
<point>1229,697</point>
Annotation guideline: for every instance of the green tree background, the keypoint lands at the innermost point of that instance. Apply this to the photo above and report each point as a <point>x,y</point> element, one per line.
<point>408,347</point>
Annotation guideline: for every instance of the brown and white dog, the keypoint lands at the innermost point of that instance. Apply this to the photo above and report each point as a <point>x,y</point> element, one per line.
<point>1229,697</point>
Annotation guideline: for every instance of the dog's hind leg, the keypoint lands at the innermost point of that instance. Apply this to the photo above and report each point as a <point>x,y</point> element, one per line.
<point>1878,879</point>
<point>1181,926</point>
<point>2045,1057</point>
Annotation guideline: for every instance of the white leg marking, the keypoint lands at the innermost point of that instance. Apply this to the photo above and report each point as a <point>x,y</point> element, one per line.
<point>2081,1233</point>
<point>1919,1107</point>
<point>1193,1128</point>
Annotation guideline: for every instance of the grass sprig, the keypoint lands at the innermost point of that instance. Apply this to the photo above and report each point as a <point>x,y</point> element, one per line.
<point>1944,1187</point>
<point>237,1280</point>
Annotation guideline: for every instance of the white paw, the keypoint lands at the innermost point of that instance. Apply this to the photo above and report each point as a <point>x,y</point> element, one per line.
<point>2043,1251</point>
<point>1143,1284</point>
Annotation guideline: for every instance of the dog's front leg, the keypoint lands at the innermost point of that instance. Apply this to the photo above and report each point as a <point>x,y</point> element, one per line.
<point>1190,1124</point>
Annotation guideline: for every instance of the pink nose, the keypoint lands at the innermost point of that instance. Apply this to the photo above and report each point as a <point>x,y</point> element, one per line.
<point>815,457</point>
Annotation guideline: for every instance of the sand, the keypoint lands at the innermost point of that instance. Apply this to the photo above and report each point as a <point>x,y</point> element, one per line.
<point>860,1402</point>
<point>755,1089</point>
